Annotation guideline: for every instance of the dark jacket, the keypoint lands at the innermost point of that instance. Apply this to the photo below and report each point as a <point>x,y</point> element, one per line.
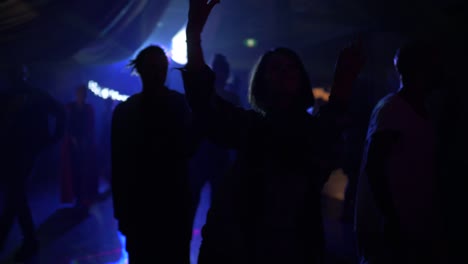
<point>152,140</point>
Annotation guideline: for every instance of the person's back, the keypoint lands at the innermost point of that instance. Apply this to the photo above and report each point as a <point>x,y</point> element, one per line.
<point>410,169</point>
<point>397,208</point>
<point>151,145</point>
<point>155,131</point>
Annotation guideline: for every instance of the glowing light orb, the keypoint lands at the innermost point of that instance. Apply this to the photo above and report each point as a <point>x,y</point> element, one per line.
<point>250,43</point>
<point>179,47</point>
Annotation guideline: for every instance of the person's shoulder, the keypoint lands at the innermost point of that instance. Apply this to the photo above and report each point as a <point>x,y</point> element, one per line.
<point>176,95</point>
<point>128,106</point>
<point>130,102</point>
<point>253,116</point>
<point>387,114</point>
<point>121,107</point>
<point>388,104</point>
<point>387,101</point>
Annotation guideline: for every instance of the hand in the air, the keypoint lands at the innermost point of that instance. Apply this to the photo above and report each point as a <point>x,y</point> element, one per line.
<point>199,11</point>
<point>348,67</point>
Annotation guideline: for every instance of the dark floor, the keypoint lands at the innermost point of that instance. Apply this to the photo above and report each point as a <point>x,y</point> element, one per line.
<point>69,238</point>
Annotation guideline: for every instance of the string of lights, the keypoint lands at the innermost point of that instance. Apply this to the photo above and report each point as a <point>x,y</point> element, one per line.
<point>106,93</point>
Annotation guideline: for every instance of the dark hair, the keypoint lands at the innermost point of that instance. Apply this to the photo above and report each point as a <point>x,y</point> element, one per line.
<point>136,64</point>
<point>258,85</point>
<point>221,61</point>
<point>414,58</point>
<point>82,88</point>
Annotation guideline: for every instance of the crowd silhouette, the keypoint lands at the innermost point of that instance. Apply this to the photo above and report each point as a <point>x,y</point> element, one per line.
<point>266,166</point>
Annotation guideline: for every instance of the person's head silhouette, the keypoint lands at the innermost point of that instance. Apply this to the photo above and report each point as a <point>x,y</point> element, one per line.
<point>419,64</point>
<point>222,70</point>
<point>151,64</point>
<point>81,93</point>
<point>280,83</point>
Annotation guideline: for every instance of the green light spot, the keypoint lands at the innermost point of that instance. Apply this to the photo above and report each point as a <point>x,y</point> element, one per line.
<point>250,43</point>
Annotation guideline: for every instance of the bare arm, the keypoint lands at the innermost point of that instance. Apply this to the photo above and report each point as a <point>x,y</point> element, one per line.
<point>197,17</point>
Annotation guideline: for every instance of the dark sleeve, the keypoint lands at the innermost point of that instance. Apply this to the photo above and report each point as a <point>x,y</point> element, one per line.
<point>330,124</point>
<point>221,121</point>
<point>120,167</point>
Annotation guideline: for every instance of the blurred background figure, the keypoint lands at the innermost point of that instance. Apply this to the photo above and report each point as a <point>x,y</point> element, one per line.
<point>24,135</point>
<point>79,175</point>
<point>104,141</point>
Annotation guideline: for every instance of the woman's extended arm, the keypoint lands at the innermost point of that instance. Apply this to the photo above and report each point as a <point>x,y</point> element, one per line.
<point>332,118</point>
<point>223,122</point>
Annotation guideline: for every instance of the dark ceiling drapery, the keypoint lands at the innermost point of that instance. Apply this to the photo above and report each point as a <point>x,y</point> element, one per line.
<point>104,31</point>
<point>137,23</point>
<point>89,31</point>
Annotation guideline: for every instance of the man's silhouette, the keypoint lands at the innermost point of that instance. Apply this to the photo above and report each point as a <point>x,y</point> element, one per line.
<point>25,133</point>
<point>151,144</point>
<point>398,218</point>
<point>78,151</point>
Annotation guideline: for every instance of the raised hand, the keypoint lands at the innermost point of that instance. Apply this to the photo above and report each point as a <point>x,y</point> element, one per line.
<point>348,67</point>
<point>199,11</point>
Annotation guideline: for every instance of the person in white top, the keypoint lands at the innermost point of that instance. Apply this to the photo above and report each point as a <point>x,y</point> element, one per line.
<point>398,218</point>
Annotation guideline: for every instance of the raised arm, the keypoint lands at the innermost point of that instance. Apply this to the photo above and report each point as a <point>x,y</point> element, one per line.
<point>332,118</point>
<point>348,67</point>
<point>222,122</point>
<point>198,15</point>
